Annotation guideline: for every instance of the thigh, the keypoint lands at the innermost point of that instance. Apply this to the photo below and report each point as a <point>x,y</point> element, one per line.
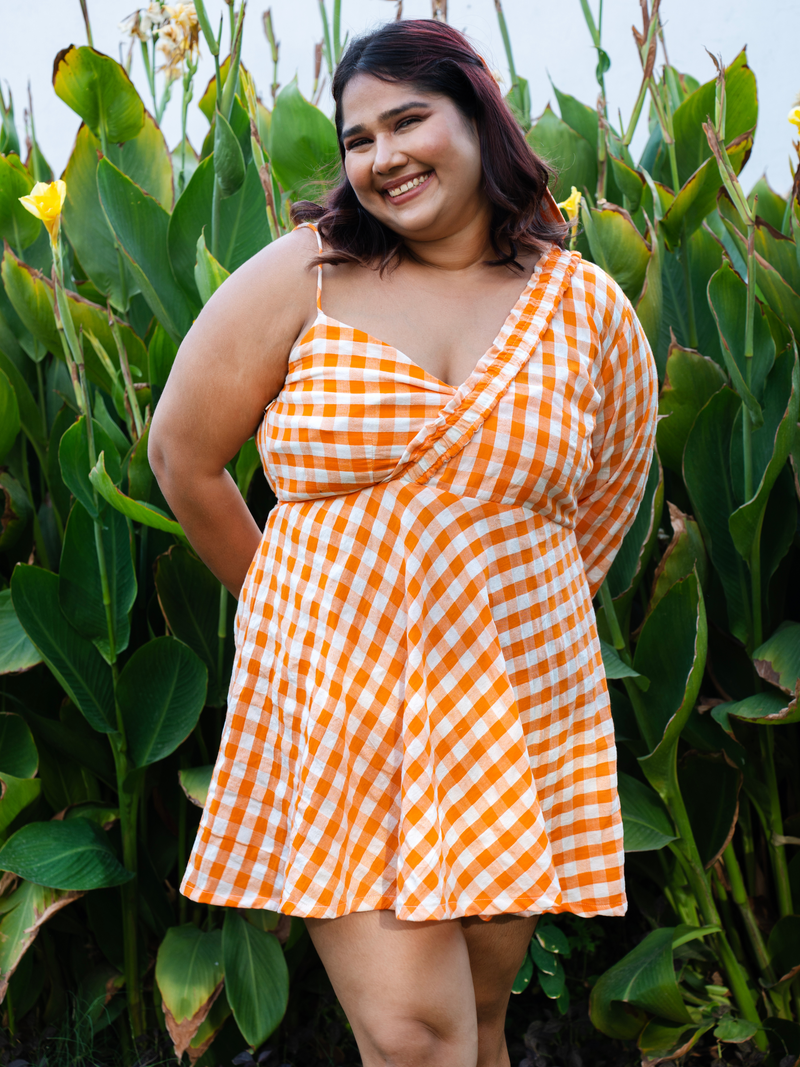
<point>496,951</point>
<point>389,974</point>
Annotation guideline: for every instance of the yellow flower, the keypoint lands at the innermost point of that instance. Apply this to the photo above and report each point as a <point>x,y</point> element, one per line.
<point>572,204</point>
<point>46,203</point>
<point>794,117</point>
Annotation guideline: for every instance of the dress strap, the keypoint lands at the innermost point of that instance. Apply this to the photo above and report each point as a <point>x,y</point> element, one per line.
<point>313,228</point>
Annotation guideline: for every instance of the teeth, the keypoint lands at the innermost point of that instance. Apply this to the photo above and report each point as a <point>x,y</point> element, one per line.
<point>410,185</point>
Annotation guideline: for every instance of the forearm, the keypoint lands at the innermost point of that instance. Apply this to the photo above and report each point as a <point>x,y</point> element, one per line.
<point>216,520</point>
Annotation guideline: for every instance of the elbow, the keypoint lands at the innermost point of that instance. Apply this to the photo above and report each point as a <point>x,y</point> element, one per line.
<point>157,451</point>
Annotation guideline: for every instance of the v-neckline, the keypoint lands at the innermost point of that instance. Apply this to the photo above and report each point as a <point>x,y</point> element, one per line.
<point>506,330</point>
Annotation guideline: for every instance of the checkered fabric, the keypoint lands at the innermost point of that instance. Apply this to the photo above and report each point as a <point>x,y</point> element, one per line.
<point>418,717</point>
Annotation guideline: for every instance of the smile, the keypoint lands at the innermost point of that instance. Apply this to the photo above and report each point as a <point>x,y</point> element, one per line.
<point>408,186</point>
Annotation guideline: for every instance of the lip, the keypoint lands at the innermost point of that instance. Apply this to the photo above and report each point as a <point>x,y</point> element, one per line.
<point>403,197</point>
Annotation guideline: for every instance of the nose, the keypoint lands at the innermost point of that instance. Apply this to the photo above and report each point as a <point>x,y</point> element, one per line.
<point>387,154</point>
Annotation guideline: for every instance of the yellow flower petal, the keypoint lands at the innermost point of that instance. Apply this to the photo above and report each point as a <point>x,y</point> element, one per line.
<point>572,204</point>
<point>46,201</point>
<point>794,117</point>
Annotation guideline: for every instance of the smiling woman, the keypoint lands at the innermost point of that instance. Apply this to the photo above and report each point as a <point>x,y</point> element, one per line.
<point>419,737</point>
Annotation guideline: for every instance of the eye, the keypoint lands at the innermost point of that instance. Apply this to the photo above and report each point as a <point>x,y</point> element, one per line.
<point>356,144</point>
<point>403,122</point>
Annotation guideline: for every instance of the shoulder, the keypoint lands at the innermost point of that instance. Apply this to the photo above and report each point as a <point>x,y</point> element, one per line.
<point>605,305</point>
<point>283,269</point>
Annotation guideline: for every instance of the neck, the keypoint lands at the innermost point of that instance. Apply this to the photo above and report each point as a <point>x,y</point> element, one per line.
<point>467,247</point>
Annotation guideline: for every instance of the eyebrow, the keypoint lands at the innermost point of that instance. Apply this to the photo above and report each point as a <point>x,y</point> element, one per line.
<point>384,116</point>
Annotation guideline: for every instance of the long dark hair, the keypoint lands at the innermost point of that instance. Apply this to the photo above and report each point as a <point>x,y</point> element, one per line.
<point>434,58</point>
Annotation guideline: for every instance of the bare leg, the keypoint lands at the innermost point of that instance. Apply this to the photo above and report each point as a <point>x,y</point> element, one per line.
<point>424,994</point>
<point>496,951</point>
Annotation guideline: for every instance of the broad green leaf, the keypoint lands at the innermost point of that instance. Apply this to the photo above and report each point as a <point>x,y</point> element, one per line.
<point>777,660</point>
<point>741,115</point>
<point>671,652</point>
<point>303,145</point>
<point>650,306</point>
<point>630,182</point>
<point>582,119</point>
<point>698,196</point>
<point>25,911</point>
<point>727,296</point>
<point>707,474</point>
<point>75,662</point>
<point>690,381</point>
<point>770,444</point>
<point>89,750</point>
<point>17,510</point>
<point>637,545</point>
<point>140,226</point>
<point>574,159</point>
<point>553,984</point>
<point>160,357</point>
<point>16,794</point>
<point>160,692</point>
<point>524,975</point>
<point>659,1040</point>
<point>781,297</point>
<point>770,207</point>
<point>614,666</point>
<point>211,1026</point>
<point>17,225</point>
<point>17,651</point>
<point>645,821</point>
<point>733,1030</point>
<point>767,709</point>
<point>784,946</point>
<point>243,225</point>
<point>705,258</point>
<point>80,590</point>
<point>229,167</point>
<point>29,415</point>
<point>208,273</point>
<point>145,160</point>
<point>710,789</point>
<point>147,514</point>
<point>544,960</point>
<point>70,855</point>
<point>189,597</point>
<point>617,246</point>
<point>685,553</point>
<point>189,974</point>
<point>247,463</point>
<point>256,978</point>
<point>18,755</point>
<point>643,980</point>
<point>99,90</point>
<point>551,938</point>
<point>195,782</point>
<point>780,252</point>
<point>208,101</point>
<point>32,297</point>
<point>73,456</point>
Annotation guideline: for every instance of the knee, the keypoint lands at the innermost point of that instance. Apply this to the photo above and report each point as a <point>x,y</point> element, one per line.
<point>410,1042</point>
<point>491,1010</point>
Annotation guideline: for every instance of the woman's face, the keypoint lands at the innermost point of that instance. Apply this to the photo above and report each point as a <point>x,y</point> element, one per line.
<point>398,138</point>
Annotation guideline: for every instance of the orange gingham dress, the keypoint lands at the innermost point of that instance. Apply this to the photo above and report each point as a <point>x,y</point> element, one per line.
<point>418,715</point>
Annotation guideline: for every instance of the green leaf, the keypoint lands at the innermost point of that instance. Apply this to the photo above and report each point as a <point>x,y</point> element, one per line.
<point>303,144</point>
<point>145,160</point>
<point>18,755</point>
<point>574,159</point>
<point>733,1030</point>
<point>140,226</point>
<point>659,1040</point>
<point>99,90</point>
<point>581,118</point>
<point>73,456</point>
<point>70,855</point>
<point>208,273</point>
<point>644,980</point>
<point>784,946</point>
<point>685,553</point>
<point>523,977</point>
<point>16,794</point>
<point>229,165</point>
<point>645,821</point>
<point>710,789</point>
<point>777,660</point>
<point>617,246</point>
<point>24,913</point>
<point>707,474</point>
<point>771,443</point>
<point>160,357</point>
<point>551,938</point>
<point>80,745</point>
<point>147,514</point>
<point>29,414</point>
<point>614,666</point>
<point>160,692</point>
<point>75,662</point>
<point>650,306</point>
<point>256,978</point>
<point>17,651</point>
<point>189,974</point>
<point>767,709</point>
<point>770,207</point>
<point>547,962</point>
<point>247,463</point>
<point>553,985</point>
<point>17,510</point>
<point>195,782</point>
<point>630,182</point>
<point>671,652</point>
<point>698,196</point>
<point>637,545</point>
<point>80,590</point>
<point>691,380</point>
<point>741,115</point>
<point>189,597</point>
<point>17,225</point>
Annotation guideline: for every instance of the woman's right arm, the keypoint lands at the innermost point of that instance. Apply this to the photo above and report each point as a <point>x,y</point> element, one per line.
<point>231,364</point>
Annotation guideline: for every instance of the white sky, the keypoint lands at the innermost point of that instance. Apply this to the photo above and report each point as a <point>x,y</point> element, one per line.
<point>549,38</point>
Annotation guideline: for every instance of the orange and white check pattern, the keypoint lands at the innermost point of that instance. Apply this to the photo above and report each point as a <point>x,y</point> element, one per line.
<point>418,717</point>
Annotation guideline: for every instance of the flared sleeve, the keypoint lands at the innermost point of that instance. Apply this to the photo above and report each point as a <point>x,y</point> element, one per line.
<point>622,444</point>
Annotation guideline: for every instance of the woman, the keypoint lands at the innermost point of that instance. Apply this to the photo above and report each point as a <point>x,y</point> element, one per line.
<point>418,756</point>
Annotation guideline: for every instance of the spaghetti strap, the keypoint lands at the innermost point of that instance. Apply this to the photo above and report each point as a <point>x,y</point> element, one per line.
<point>313,228</point>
